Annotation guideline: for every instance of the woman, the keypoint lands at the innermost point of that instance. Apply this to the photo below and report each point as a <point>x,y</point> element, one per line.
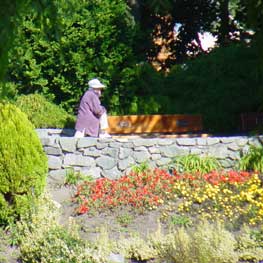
<point>92,116</point>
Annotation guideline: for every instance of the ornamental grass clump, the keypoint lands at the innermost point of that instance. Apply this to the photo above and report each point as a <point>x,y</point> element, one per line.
<point>193,163</point>
<point>253,160</point>
<point>23,164</point>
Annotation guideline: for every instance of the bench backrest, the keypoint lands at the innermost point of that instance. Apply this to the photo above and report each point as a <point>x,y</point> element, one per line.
<point>251,120</point>
<point>176,123</point>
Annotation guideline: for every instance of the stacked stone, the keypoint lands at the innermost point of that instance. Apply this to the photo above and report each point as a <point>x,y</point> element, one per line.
<point>112,158</point>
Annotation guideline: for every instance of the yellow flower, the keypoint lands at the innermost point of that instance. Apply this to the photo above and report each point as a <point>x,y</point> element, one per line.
<point>161,201</point>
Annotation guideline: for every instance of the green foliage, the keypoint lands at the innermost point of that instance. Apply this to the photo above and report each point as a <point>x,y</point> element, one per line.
<point>42,113</point>
<point>180,220</point>
<point>140,168</point>
<point>249,245</point>
<point>98,38</point>
<point>140,91</point>
<point>56,243</point>
<point>136,247</point>
<point>206,243</point>
<point>4,245</point>
<point>255,20</point>
<point>124,219</point>
<point>11,14</point>
<point>23,163</point>
<point>74,177</point>
<point>8,91</point>
<point>7,29</point>
<point>93,38</point>
<point>253,160</point>
<point>43,239</point>
<point>215,85</point>
<point>193,163</point>
<point>219,96</point>
<point>59,45</point>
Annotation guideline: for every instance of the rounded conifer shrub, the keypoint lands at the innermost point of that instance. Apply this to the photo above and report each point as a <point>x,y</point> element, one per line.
<point>23,164</point>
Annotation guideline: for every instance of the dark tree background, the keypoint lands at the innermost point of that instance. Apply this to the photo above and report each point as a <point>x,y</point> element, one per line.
<point>148,52</point>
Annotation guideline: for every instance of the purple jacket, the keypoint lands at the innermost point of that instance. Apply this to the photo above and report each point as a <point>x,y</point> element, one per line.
<point>89,112</point>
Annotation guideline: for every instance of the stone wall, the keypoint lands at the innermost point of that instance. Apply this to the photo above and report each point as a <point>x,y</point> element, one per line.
<point>113,157</point>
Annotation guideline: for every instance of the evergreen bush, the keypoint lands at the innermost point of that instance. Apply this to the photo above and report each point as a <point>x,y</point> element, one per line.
<point>23,164</point>
<point>216,86</point>
<point>141,91</point>
<point>44,114</point>
<point>8,91</point>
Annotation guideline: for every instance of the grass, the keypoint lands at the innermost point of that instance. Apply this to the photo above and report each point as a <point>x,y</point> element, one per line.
<point>180,220</point>
<point>193,163</point>
<point>8,253</point>
<point>124,219</point>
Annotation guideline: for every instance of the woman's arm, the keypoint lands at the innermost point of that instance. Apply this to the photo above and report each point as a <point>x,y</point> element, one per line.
<point>95,106</point>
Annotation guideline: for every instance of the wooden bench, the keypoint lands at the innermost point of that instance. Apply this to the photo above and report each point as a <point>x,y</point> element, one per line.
<point>137,124</point>
<point>251,121</point>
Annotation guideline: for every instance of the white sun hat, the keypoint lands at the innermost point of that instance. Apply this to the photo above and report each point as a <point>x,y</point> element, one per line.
<point>95,83</point>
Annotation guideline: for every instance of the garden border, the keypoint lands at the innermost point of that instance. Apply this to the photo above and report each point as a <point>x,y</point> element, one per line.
<point>112,157</point>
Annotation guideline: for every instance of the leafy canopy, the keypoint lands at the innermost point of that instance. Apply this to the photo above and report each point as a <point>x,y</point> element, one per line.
<point>93,39</point>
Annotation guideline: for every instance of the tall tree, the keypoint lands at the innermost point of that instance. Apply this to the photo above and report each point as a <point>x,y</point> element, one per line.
<point>158,19</point>
<point>11,13</point>
<point>93,39</point>
<point>224,27</point>
<point>225,19</point>
<point>8,13</point>
<point>255,19</point>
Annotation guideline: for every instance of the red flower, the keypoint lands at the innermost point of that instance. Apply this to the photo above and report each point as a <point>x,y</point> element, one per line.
<point>83,209</point>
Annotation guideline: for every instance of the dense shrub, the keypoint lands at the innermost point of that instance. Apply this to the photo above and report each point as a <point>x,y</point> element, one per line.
<point>207,243</point>
<point>23,164</point>
<point>43,239</point>
<point>8,91</point>
<point>44,114</point>
<point>140,91</point>
<point>220,86</point>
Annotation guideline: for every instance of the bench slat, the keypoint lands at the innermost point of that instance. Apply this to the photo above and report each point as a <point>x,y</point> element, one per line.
<point>175,123</point>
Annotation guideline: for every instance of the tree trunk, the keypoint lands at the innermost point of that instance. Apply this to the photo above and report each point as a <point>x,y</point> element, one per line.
<point>224,23</point>
<point>135,9</point>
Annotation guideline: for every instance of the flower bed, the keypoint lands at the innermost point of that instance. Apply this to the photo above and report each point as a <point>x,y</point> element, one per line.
<point>146,189</point>
<point>107,225</point>
<point>218,194</point>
